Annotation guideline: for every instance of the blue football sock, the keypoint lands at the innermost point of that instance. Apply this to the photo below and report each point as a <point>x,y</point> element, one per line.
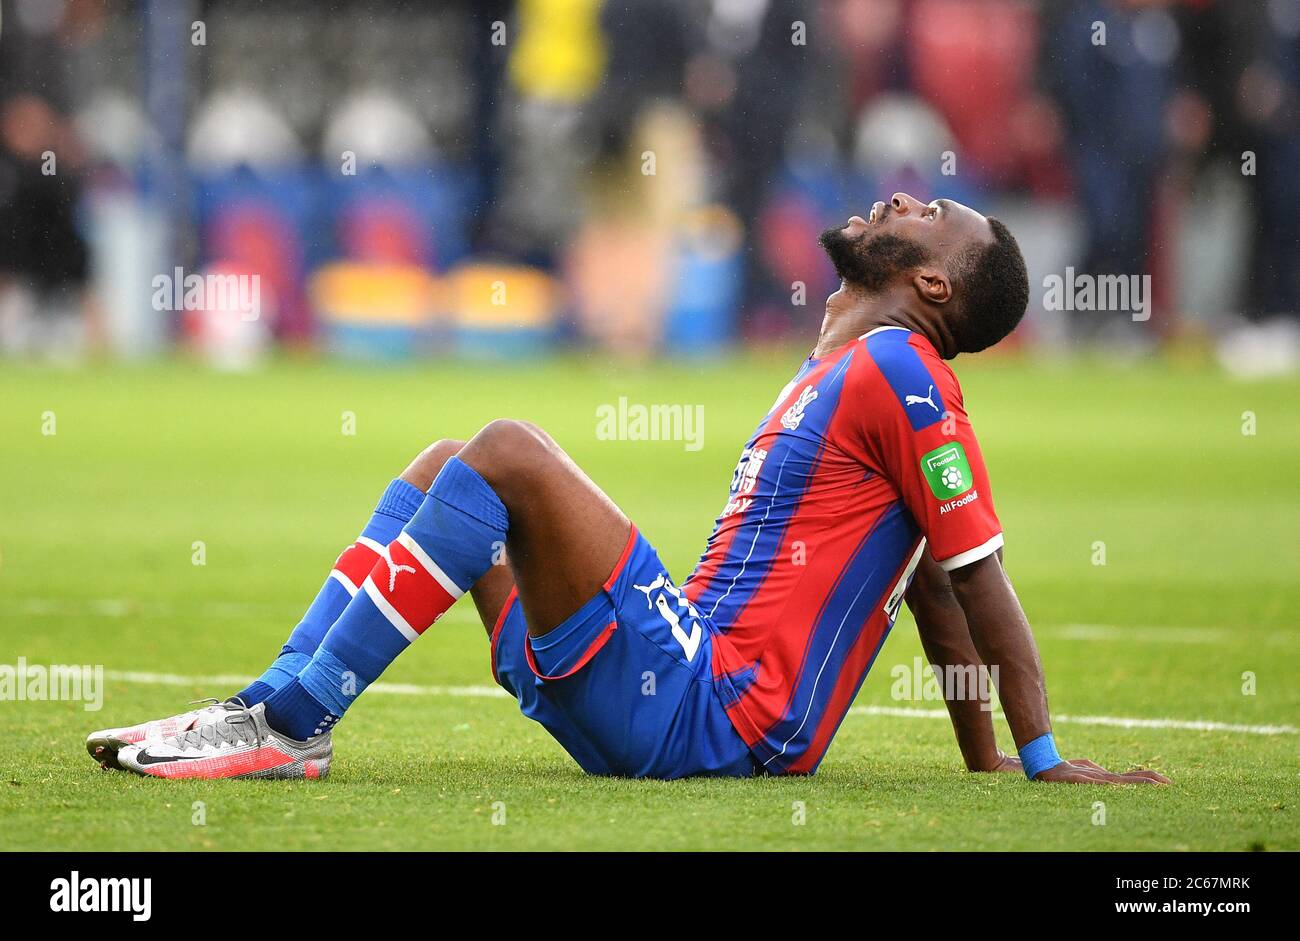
<point>395,509</point>
<point>445,548</point>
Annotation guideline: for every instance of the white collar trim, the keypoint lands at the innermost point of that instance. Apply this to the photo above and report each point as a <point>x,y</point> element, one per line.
<point>878,329</point>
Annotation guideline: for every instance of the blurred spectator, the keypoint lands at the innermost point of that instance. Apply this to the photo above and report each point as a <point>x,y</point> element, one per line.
<point>43,260</point>
<point>620,265</point>
<point>1111,64</point>
<point>556,63</point>
<point>745,77</point>
<point>1266,97</point>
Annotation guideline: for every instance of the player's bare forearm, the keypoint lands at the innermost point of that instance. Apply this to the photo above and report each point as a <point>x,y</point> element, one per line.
<point>1001,635</point>
<point>947,642</point>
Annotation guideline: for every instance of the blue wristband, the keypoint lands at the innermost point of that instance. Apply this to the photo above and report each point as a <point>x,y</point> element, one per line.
<point>1039,755</point>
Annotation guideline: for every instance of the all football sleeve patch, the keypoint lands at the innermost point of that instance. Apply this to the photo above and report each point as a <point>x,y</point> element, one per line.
<point>947,470</point>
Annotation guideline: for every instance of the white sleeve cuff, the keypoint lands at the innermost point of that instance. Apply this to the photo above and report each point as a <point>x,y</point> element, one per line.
<point>972,555</point>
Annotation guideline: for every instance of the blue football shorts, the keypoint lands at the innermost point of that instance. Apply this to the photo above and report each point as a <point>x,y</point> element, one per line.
<point>625,684</point>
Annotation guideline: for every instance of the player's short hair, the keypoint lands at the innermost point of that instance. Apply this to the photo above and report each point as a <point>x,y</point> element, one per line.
<point>992,290</point>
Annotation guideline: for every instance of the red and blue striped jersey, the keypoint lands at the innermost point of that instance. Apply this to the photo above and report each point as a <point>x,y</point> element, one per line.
<point>865,455</point>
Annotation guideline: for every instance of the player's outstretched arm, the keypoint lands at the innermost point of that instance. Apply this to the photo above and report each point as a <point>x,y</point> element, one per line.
<point>949,648</point>
<point>1001,635</point>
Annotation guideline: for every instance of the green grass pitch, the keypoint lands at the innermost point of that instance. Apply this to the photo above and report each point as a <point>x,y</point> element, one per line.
<point>98,521</point>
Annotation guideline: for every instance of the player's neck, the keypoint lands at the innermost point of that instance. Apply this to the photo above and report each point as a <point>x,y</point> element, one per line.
<point>851,312</point>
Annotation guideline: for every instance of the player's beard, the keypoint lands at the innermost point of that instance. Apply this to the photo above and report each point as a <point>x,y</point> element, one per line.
<point>868,262</point>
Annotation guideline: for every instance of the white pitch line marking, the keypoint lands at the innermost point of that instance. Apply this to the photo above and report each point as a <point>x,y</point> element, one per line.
<point>1190,725</point>
<point>495,692</point>
<point>1193,725</point>
<point>1157,635</point>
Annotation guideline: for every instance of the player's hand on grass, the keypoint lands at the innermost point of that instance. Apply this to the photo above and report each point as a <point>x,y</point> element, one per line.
<point>1084,771</point>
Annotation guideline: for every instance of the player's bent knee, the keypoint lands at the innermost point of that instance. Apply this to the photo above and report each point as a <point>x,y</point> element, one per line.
<point>424,469</point>
<point>508,450</point>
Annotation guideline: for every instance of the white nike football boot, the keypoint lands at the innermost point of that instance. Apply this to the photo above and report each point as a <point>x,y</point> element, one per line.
<point>106,743</point>
<point>238,745</point>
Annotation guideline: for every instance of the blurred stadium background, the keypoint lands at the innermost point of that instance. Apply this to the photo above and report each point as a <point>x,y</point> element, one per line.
<point>646,176</point>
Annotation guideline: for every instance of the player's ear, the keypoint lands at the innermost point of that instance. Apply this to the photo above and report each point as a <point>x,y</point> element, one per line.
<point>933,285</point>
